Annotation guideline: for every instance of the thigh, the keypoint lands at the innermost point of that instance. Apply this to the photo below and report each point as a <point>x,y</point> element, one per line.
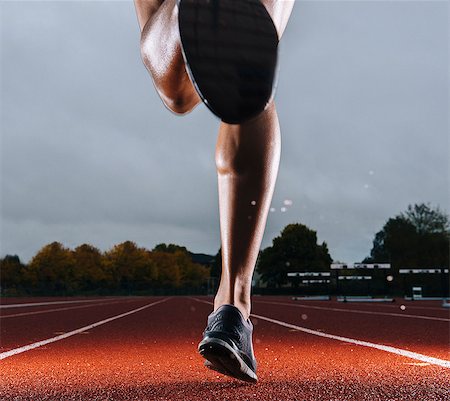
<point>145,9</point>
<point>161,54</point>
<point>280,11</point>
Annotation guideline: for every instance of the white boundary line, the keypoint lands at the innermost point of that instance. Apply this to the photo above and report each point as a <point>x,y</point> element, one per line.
<point>408,354</point>
<point>7,306</point>
<point>28,347</point>
<point>401,301</point>
<point>398,351</point>
<point>365,312</point>
<point>112,302</point>
<point>408,304</point>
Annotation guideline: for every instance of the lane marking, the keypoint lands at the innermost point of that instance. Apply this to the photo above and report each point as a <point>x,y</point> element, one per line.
<point>28,347</point>
<point>62,309</point>
<point>393,350</point>
<point>409,304</point>
<point>7,306</point>
<point>364,312</point>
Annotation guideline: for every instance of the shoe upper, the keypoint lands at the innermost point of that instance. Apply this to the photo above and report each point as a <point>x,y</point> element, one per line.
<point>228,324</point>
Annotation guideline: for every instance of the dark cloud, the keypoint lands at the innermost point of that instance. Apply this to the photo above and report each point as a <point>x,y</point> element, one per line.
<point>89,154</point>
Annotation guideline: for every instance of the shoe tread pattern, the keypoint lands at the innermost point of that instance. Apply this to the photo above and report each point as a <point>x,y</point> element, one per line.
<point>230,48</point>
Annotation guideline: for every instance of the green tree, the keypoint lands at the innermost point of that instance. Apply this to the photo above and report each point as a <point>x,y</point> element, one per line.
<point>416,238</point>
<point>171,248</point>
<point>396,243</point>
<point>295,250</point>
<point>427,220</point>
<point>51,270</point>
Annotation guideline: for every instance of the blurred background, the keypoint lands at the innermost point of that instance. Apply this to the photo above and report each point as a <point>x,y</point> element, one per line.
<point>104,191</point>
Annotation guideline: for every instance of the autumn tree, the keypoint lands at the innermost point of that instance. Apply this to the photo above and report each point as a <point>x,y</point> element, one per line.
<point>129,267</point>
<point>52,270</point>
<point>176,268</point>
<point>169,273</point>
<point>192,274</point>
<point>11,273</point>
<point>57,270</point>
<point>89,273</point>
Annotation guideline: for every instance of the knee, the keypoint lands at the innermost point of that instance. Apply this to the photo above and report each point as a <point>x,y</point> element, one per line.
<point>171,82</point>
<point>177,102</point>
<point>230,155</point>
<point>249,147</point>
<point>226,164</point>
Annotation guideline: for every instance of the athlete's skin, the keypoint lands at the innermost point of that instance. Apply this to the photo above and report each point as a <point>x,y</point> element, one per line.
<point>247,155</point>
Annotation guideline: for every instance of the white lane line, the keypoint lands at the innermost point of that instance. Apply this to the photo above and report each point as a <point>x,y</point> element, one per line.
<point>28,347</point>
<point>62,309</point>
<point>409,306</point>
<point>364,312</point>
<point>409,354</point>
<point>393,350</point>
<point>7,306</point>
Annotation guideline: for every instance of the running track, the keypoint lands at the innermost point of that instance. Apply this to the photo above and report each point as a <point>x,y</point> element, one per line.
<point>144,348</point>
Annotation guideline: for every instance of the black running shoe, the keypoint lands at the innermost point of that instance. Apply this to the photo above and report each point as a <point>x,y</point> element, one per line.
<point>230,48</point>
<point>227,344</point>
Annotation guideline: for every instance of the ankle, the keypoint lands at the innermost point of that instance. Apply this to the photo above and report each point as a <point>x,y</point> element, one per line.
<point>243,304</point>
<point>234,291</point>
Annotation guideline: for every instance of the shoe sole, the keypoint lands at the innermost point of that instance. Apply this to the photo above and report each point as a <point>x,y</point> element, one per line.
<point>224,359</point>
<point>230,48</point>
<point>210,366</point>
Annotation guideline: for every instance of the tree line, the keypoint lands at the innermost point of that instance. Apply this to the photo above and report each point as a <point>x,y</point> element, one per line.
<point>124,269</point>
<point>416,238</point>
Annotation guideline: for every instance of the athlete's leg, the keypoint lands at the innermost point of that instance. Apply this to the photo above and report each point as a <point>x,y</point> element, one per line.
<point>247,159</point>
<point>247,155</point>
<point>161,54</point>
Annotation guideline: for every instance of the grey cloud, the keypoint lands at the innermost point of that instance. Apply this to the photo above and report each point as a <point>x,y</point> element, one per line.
<point>89,153</point>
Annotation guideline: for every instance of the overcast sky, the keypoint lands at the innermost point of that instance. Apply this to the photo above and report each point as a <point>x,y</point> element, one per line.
<point>89,153</point>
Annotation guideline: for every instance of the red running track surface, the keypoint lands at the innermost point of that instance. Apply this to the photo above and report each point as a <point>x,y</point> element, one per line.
<point>151,354</point>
